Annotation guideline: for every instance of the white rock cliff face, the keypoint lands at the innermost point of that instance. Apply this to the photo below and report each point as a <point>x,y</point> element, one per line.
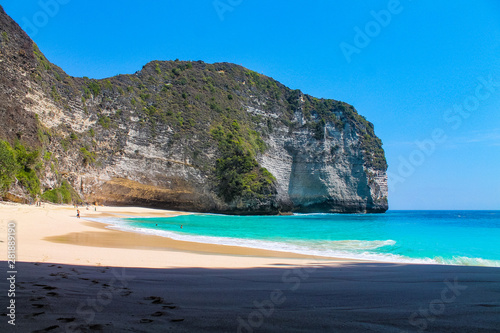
<point>323,175</point>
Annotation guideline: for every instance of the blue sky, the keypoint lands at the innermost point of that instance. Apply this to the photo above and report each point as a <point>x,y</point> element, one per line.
<point>421,71</point>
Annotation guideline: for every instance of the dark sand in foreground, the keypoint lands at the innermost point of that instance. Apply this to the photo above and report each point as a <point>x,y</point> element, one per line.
<point>347,297</point>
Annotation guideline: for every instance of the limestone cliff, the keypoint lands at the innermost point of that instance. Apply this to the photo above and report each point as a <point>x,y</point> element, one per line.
<point>180,135</point>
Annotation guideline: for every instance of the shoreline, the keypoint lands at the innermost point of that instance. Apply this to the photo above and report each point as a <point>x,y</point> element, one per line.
<point>53,234</point>
<point>113,238</point>
<point>58,225</point>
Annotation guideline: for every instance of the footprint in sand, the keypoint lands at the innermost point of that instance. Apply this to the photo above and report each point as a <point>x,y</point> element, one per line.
<point>37,314</point>
<point>96,327</point>
<point>49,288</point>
<point>125,293</point>
<point>38,306</point>
<point>171,307</point>
<point>66,320</point>
<point>145,321</point>
<point>155,299</point>
<point>157,314</point>
<point>34,299</point>
<point>44,286</point>
<point>177,320</point>
<point>488,305</point>
<point>47,329</point>
<point>52,294</point>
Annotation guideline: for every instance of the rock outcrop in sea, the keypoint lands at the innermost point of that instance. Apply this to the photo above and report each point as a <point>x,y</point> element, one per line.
<point>183,135</point>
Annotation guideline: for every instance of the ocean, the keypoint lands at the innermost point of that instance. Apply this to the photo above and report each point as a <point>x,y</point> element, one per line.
<point>441,237</point>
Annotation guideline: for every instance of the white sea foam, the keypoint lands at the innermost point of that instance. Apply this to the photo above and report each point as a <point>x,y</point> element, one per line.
<point>345,249</point>
<point>467,261</point>
<point>358,244</point>
<point>313,214</point>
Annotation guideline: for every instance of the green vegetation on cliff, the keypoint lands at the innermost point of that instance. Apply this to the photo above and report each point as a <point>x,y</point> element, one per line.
<point>25,166</point>
<point>370,143</point>
<point>8,166</point>
<point>63,194</point>
<point>27,162</point>
<point>238,173</point>
<point>21,164</point>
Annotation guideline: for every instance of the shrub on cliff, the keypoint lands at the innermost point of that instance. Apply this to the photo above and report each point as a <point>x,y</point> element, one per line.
<point>238,173</point>
<point>27,160</point>
<point>21,164</point>
<point>8,166</point>
<point>64,194</point>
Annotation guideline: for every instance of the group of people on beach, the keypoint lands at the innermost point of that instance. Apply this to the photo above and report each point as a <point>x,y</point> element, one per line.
<point>78,210</point>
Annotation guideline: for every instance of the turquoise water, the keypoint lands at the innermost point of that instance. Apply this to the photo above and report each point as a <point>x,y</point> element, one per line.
<point>447,237</point>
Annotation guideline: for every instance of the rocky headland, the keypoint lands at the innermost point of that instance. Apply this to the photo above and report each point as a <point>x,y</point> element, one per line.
<point>183,135</point>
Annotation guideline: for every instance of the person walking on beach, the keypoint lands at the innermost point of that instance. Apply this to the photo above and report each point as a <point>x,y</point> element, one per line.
<point>78,213</point>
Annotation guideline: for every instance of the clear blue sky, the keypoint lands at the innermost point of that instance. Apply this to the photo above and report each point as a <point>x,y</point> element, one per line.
<point>417,72</point>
